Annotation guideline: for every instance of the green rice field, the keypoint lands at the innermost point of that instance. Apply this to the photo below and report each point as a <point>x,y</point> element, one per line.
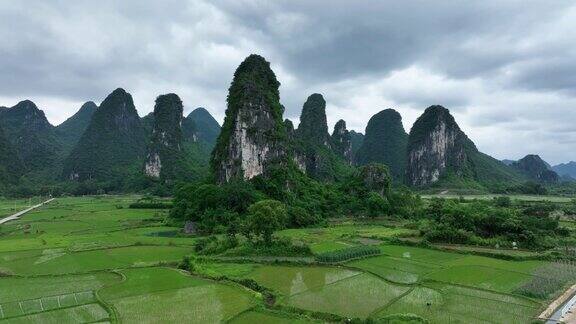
<point>92,259</point>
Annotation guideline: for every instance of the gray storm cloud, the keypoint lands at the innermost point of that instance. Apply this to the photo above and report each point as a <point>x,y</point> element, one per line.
<point>505,68</point>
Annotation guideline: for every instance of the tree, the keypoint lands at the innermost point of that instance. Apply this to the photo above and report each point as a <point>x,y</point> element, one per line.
<point>376,204</point>
<point>265,217</point>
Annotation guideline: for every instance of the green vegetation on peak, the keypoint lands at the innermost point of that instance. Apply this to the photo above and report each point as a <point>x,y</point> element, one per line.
<point>313,127</point>
<point>567,170</point>
<point>11,167</point>
<point>34,139</point>
<point>70,131</point>
<point>536,169</point>
<point>112,146</point>
<point>322,157</point>
<point>200,126</point>
<point>356,139</point>
<point>341,141</point>
<point>164,159</point>
<point>253,134</point>
<point>385,142</point>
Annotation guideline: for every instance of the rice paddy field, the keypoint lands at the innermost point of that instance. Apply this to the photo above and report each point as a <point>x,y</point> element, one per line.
<point>94,260</point>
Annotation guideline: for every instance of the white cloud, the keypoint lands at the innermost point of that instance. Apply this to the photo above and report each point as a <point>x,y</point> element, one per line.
<point>505,69</point>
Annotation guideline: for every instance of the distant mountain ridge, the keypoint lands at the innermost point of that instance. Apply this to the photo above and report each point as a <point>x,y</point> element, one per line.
<point>200,126</point>
<point>536,169</point>
<point>566,169</point>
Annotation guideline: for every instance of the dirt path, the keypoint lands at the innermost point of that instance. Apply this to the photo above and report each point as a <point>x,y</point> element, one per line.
<point>20,213</point>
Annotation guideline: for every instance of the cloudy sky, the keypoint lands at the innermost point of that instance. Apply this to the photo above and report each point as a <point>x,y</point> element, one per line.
<point>506,69</point>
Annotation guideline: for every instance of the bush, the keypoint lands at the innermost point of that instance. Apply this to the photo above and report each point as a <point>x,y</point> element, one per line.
<point>347,254</point>
<point>376,204</point>
<point>277,247</point>
<point>502,201</point>
<point>265,217</point>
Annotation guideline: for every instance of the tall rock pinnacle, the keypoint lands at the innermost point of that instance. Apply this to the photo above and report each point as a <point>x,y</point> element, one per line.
<point>165,146</point>
<point>385,142</point>
<point>253,135</point>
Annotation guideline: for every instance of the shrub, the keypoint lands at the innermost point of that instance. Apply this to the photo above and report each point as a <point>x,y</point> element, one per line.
<point>502,201</point>
<point>277,247</point>
<point>377,205</point>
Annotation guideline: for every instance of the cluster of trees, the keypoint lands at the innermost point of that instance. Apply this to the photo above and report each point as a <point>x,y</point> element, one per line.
<point>498,222</point>
<point>287,198</point>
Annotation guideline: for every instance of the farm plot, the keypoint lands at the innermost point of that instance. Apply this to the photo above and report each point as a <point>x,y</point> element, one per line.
<point>27,299</point>
<point>75,224</point>
<point>482,277</point>
<point>18,289</point>
<point>442,303</point>
<point>90,313</point>
<point>151,295</point>
<point>357,296</point>
<point>67,262</point>
<point>293,280</point>
<point>395,269</point>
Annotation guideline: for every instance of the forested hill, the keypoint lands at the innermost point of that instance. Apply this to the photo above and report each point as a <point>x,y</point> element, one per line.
<point>72,129</point>
<point>33,138</point>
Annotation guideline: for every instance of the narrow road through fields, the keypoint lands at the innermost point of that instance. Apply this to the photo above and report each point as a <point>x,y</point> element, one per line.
<point>562,309</point>
<point>20,213</point>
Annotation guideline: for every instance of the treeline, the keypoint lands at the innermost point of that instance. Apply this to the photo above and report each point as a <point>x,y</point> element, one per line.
<point>222,208</point>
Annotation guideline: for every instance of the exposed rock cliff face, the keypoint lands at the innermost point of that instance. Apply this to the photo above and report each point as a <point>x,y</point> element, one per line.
<point>313,126</point>
<point>165,146</point>
<point>385,142</point>
<point>356,139</point>
<point>253,135</point>
<point>436,146</point>
<point>536,169</point>
<point>342,142</point>
<point>314,153</point>
<point>33,137</point>
<point>113,143</point>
